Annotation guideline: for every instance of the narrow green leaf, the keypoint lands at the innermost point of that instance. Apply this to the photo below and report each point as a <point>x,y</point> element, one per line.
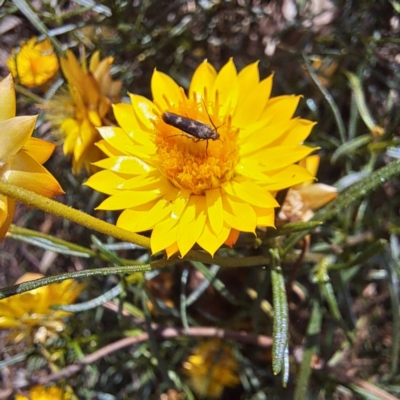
<point>350,147</point>
<point>26,286</point>
<point>360,101</point>
<point>370,251</point>
<point>280,330</point>
<point>310,349</point>
<point>98,301</point>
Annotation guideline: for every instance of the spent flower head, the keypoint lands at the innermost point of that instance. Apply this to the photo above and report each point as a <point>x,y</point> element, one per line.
<point>188,190</point>
<point>84,107</point>
<point>302,199</point>
<point>29,314</point>
<point>211,368</point>
<point>21,156</point>
<point>34,64</point>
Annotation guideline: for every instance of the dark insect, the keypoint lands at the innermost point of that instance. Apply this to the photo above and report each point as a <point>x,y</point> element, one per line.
<point>196,129</point>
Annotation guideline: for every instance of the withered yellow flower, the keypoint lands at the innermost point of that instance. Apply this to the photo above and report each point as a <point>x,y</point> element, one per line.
<point>188,190</point>
<point>211,368</point>
<point>29,314</point>
<point>84,107</point>
<point>21,155</point>
<point>45,393</point>
<point>34,64</point>
<point>302,199</point>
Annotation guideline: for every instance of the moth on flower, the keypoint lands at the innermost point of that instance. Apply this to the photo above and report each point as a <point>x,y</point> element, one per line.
<point>202,192</point>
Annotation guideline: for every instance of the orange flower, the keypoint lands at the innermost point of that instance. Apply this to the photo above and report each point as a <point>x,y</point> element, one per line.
<point>78,112</point>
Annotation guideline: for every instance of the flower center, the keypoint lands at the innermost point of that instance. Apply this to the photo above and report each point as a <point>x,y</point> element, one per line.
<point>197,149</point>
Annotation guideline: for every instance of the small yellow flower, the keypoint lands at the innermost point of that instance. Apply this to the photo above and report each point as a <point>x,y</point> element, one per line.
<point>190,191</point>
<point>42,393</point>
<point>34,64</point>
<point>21,155</point>
<point>84,107</point>
<point>211,368</point>
<point>29,314</point>
<point>302,199</point>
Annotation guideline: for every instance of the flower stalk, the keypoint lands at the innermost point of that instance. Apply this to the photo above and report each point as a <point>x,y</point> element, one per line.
<point>61,210</point>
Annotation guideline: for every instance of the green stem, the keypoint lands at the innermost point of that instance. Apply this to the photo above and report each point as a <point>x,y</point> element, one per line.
<point>61,210</point>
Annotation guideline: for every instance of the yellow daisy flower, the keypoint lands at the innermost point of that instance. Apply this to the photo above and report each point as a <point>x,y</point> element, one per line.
<point>84,107</point>
<point>188,190</point>
<point>29,314</point>
<point>42,393</point>
<point>211,368</point>
<point>21,155</point>
<point>302,199</point>
<point>34,64</point>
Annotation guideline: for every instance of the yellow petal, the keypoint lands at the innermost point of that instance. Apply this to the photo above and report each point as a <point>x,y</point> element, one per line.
<point>251,193</point>
<point>281,108</point>
<point>39,149</point>
<point>25,172</point>
<point>162,87</point>
<point>125,164</point>
<point>251,108</point>
<point>256,140</point>
<point>105,182</point>
<point>163,235</point>
<point>131,220</point>
<point>203,77</point>
<point>298,133</point>
<point>226,87</point>
<point>7,98</point>
<point>126,117</point>
<point>117,138</point>
<point>273,158</point>
<point>210,241</point>
<point>289,176</point>
<point>265,216</point>
<point>171,250</point>
<point>311,164</point>
<point>191,224</point>
<point>129,199</point>
<point>107,149</point>
<point>14,133</point>
<point>239,215</point>
<point>252,169</point>
<point>7,210</point>
<point>215,210</point>
<point>144,111</point>
<point>249,78</point>
<point>149,181</point>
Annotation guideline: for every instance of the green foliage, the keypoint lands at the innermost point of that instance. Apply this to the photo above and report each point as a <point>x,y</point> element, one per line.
<point>333,282</point>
